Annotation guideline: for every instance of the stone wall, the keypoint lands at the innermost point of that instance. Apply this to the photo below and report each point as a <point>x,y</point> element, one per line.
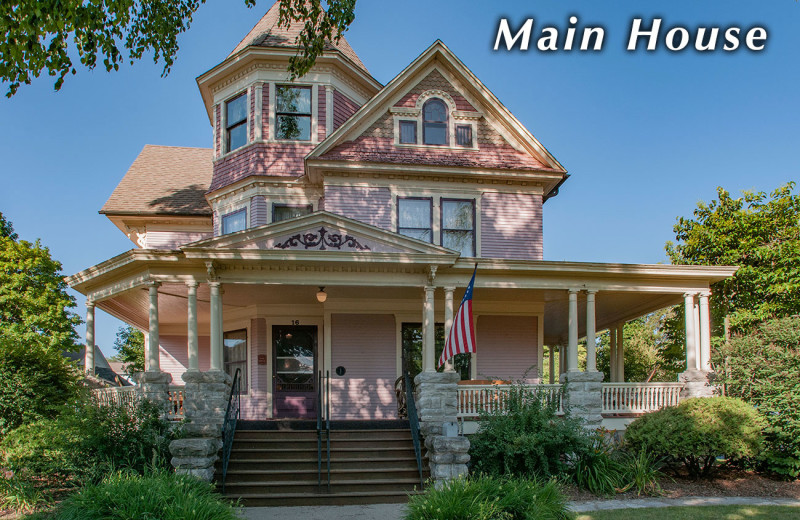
<point>583,393</point>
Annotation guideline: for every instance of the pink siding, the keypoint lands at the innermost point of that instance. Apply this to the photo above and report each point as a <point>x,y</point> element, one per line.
<point>511,226</point>
<point>265,111</point>
<point>284,159</point>
<point>322,113</point>
<point>343,109</point>
<point>254,406</point>
<point>174,356</point>
<point>507,347</point>
<point>365,345</point>
<point>258,211</point>
<point>370,205</point>
<point>173,239</point>
<point>435,81</point>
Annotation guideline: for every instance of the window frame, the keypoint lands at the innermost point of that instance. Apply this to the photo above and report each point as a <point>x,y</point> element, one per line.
<point>467,127</point>
<point>309,115</point>
<point>276,205</point>
<point>237,124</point>
<point>245,388</point>
<point>430,214</point>
<point>409,122</point>
<point>474,223</point>
<point>445,122</point>
<point>230,214</point>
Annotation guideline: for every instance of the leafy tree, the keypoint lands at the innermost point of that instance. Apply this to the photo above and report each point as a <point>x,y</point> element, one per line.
<point>44,34</point>
<point>129,345</point>
<point>6,229</point>
<point>758,232</point>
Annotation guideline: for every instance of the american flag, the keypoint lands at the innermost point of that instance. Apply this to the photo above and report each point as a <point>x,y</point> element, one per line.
<point>461,339</point>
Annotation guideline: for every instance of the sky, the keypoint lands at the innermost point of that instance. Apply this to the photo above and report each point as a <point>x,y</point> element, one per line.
<point>644,135</point>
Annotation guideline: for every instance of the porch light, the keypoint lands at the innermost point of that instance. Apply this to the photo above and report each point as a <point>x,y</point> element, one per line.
<point>322,295</point>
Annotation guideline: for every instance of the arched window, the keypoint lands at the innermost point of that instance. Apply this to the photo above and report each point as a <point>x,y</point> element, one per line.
<point>434,122</point>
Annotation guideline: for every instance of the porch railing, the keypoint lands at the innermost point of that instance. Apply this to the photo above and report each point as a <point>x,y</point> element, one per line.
<point>127,396</point>
<point>175,407</point>
<point>639,397</point>
<point>472,399</point>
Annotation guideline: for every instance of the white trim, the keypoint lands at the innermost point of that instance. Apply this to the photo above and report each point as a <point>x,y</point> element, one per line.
<point>224,152</point>
<point>258,134</point>
<point>273,108</point>
<point>328,110</point>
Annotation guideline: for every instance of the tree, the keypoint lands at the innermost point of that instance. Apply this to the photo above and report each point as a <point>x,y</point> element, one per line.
<point>6,229</point>
<point>43,34</point>
<point>129,345</point>
<point>761,234</point>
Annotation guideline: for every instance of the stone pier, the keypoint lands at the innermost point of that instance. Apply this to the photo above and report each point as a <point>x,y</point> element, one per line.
<point>583,392</point>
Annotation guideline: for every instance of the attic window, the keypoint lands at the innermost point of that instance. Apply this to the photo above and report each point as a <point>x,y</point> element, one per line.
<point>408,132</point>
<point>236,122</point>
<point>464,135</point>
<point>293,113</point>
<point>434,122</point>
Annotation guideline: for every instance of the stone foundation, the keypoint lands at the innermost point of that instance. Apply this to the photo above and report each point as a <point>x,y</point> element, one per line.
<point>584,396</point>
<point>448,457</point>
<point>697,383</point>
<point>205,402</point>
<point>154,386</point>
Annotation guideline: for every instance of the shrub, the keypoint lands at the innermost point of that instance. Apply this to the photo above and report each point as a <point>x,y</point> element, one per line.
<point>18,494</point>
<point>599,471</point>
<point>160,495</point>
<point>527,440</point>
<point>697,431</point>
<point>643,471</point>
<point>490,498</point>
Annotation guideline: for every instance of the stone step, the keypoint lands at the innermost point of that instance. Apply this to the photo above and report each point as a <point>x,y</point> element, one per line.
<point>312,444</point>
<point>323,498</point>
<point>307,454</point>
<point>338,475</point>
<point>356,464</point>
<point>258,487</point>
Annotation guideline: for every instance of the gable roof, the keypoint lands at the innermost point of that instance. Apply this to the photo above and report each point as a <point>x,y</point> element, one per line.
<point>164,180</point>
<point>267,33</point>
<point>527,154</point>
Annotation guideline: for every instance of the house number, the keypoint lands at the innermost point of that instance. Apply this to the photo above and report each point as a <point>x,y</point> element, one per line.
<point>295,322</point>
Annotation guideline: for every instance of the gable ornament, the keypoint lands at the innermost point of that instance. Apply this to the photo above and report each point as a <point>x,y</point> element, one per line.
<point>323,240</point>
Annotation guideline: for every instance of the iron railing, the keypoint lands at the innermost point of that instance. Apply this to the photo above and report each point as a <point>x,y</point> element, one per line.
<point>229,425</point>
<point>413,422</point>
<point>324,428</point>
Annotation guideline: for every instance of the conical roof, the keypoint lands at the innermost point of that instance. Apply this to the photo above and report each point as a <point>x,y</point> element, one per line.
<point>267,33</point>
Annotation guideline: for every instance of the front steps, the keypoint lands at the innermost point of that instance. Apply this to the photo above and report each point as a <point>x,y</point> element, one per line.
<point>371,463</point>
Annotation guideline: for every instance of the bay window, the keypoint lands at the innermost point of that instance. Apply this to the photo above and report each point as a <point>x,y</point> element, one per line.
<point>293,113</point>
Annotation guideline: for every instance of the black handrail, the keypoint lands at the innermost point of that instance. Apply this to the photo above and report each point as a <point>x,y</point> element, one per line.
<point>328,421</point>
<point>319,428</point>
<point>413,422</point>
<point>229,424</point>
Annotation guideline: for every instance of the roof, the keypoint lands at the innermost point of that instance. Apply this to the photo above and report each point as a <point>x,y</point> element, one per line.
<point>164,180</point>
<point>267,33</point>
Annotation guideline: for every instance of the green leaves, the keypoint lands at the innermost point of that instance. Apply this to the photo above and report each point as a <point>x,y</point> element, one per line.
<point>130,347</point>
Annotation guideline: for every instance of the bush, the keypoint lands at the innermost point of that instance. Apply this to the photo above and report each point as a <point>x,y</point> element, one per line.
<point>86,441</point>
<point>599,470</point>
<point>529,440</point>
<point>160,495</point>
<point>490,498</point>
<point>763,368</point>
<point>697,431</point>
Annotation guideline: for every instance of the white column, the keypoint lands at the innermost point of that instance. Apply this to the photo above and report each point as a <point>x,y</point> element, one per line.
<point>705,333</point>
<point>216,326</point>
<point>258,124</point>
<point>428,332</point>
<point>612,353</point>
<point>552,363</point>
<point>691,344</point>
<point>152,363</point>
<point>88,359</point>
<point>591,333</point>
<point>572,345</point>
<point>192,344</point>
<point>697,329</point>
<point>621,352</point>
<point>448,322</point>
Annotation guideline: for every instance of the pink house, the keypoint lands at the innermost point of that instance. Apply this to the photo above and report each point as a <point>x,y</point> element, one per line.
<point>333,226</point>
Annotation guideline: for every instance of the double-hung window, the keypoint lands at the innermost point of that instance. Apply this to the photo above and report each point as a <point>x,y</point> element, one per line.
<point>287,211</point>
<point>414,218</point>
<point>458,226</point>
<point>234,345</point>
<point>234,221</point>
<point>236,122</point>
<point>293,113</point>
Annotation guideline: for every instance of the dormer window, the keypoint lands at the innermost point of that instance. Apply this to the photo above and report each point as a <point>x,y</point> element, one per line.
<point>293,113</point>
<point>234,221</point>
<point>434,122</point>
<point>236,122</point>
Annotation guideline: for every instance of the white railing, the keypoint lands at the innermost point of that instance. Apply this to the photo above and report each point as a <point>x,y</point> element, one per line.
<point>127,396</point>
<point>472,399</point>
<point>639,397</point>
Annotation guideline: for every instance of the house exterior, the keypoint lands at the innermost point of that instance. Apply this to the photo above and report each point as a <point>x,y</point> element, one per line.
<point>333,217</point>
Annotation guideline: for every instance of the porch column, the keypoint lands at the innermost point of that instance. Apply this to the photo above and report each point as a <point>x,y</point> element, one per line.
<point>88,360</point>
<point>572,346</point>
<point>552,362</point>
<point>216,326</point>
<point>691,345</point>
<point>705,333</point>
<point>152,363</point>
<point>428,330</point>
<point>191,329</point>
<point>591,333</point>
<point>697,342</point>
<point>448,322</point>
<point>621,352</point>
<point>562,358</point>
<point>612,352</point>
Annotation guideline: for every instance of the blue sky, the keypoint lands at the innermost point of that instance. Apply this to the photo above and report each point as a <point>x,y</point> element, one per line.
<point>645,136</point>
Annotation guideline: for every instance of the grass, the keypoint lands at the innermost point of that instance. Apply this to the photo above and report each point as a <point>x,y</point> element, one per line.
<point>698,513</point>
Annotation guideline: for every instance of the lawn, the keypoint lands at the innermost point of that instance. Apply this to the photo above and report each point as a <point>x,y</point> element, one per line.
<point>698,513</point>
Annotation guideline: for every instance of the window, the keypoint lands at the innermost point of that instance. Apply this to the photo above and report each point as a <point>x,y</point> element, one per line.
<point>293,113</point>
<point>434,122</point>
<point>408,132</point>
<point>233,222</point>
<point>464,135</point>
<point>458,226</point>
<point>287,211</point>
<point>236,122</point>
<point>414,218</point>
<point>234,344</point>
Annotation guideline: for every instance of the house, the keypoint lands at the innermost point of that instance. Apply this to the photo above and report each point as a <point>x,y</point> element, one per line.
<point>333,226</point>
<point>106,373</point>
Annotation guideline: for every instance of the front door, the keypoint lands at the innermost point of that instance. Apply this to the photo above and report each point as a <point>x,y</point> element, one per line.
<point>294,377</point>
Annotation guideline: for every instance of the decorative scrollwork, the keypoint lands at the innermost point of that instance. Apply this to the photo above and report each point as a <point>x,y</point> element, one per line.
<point>322,239</point>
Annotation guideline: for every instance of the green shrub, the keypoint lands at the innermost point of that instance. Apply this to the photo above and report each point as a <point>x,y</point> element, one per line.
<point>19,494</point>
<point>642,472</point>
<point>86,441</point>
<point>527,440</point>
<point>160,495</point>
<point>599,471</point>
<point>490,498</point>
<point>697,431</point>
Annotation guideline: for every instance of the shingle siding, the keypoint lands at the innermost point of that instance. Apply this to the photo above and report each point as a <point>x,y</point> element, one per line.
<point>343,109</point>
<point>435,81</point>
<point>285,159</point>
<point>511,226</point>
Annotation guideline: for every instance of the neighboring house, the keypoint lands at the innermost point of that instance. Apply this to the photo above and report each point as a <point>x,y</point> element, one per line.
<point>107,374</point>
<point>334,217</point>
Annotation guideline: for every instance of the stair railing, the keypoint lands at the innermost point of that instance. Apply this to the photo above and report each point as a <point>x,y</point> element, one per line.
<point>328,421</point>
<point>319,428</point>
<point>229,424</point>
<point>413,421</point>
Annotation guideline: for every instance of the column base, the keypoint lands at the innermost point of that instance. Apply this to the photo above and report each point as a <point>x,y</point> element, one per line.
<point>697,383</point>
<point>583,395</point>
<point>448,458</point>
<point>154,386</point>
<point>437,400</point>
